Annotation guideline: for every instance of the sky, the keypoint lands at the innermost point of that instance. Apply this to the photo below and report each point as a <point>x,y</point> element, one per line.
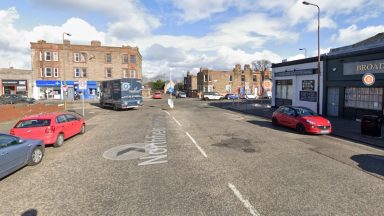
<point>176,36</point>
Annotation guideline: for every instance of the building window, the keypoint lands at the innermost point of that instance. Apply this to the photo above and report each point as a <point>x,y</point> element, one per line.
<point>47,56</point>
<point>364,98</point>
<point>133,74</point>
<point>77,72</point>
<point>76,57</point>
<point>254,78</point>
<point>56,72</point>
<point>125,73</point>
<point>83,57</point>
<point>108,72</point>
<point>84,72</point>
<point>284,89</point>
<point>48,72</point>
<point>125,59</point>
<point>230,78</point>
<point>55,56</point>
<point>133,59</point>
<point>242,78</point>
<point>108,58</point>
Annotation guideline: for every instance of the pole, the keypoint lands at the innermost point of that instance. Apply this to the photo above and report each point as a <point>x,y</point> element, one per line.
<point>318,59</point>
<point>65,81</point>
<point>83,102</point>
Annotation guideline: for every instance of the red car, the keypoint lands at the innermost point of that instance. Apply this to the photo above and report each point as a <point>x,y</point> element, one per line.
<point>52,128</point>
<point>302,119</point>
<point>157,95</point>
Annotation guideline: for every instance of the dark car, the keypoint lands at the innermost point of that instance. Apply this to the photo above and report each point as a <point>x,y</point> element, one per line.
<point>231,96</point>
<point>15,99</point>
<point>16,153</point>
<point>303,119</point>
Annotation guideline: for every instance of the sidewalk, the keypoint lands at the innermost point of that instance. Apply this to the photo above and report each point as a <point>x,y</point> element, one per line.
<point>344,128</point>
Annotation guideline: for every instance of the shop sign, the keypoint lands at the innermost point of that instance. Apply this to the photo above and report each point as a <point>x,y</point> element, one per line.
<point>21,88</point>
<point>308,85</point>
<point>310,96</point>
<point>267,84</point>
<point>354,68</point>
<point>368,79</point>
<point>14,82</point>
<point>295,73</point>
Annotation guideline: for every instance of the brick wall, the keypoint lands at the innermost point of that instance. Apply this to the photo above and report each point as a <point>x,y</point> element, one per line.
<point>17,111</point>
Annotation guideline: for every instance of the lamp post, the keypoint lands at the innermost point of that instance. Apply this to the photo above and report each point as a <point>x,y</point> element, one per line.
<point>64,77</point>
<point>318,52</point>
<point>305,51</point>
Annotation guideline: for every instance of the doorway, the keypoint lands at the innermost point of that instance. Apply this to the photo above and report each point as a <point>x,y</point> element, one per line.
<point>333,101</point>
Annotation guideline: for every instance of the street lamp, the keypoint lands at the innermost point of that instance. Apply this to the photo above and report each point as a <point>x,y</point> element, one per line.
<point>305,51</point>
<point>318,52</point>
<point>64,77</point>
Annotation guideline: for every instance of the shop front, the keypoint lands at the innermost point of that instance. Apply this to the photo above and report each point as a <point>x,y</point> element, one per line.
<point>296,83</point>
<point>48,90</point>
<point>355,79</point>
<point>12,87</point>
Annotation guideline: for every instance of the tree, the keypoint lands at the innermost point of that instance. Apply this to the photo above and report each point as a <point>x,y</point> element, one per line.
<point>261,65</point>
<point>158,85</point>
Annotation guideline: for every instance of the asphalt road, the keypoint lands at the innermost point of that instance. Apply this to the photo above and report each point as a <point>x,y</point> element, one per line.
<point>196,159</point>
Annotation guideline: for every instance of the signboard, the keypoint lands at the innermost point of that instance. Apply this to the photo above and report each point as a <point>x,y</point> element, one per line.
<point>267,84</point>
<point>310,96</point>
<point>308,85</point>
<point>82,84</point>
<point>368,79</point>
<point>355,68</point>
<point>14,82</point>
<point>295,73</point>
<point>125,86</point>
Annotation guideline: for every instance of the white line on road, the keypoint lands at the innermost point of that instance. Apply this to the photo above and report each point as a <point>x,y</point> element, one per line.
<point>246,203</point>
<point>197,146</point>
<point>176,121</point>
<point>167,113</point>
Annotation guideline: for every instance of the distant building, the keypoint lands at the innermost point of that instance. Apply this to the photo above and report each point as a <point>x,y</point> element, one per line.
<point>15,81</point>
<point>238,81</point>
<point>190,85</point>
<point>53,63</point>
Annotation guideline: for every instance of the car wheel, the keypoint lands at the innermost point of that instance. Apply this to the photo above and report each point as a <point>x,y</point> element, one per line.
<point>82,130</point>
<point>36,156</point>
<point>300,128</point>
<point>59,140</point>
<point>275,122</point>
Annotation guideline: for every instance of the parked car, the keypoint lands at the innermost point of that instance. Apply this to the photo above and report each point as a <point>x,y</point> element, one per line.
<point>15,99</point>
<point>52,128</point>
<point>157,95</point>
<point>303,119</point>
<point>250,96</point>
<point>231,96</point>
<point>212,96</point>
<point>16,153</point>
<point>181,94</point>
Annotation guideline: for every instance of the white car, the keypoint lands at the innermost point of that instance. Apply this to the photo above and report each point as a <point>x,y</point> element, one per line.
<point>250,96</point>
<point>212,96</point>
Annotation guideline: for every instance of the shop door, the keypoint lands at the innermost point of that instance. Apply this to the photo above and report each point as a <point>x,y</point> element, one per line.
<point>333,102</point>
<point>70,93</point>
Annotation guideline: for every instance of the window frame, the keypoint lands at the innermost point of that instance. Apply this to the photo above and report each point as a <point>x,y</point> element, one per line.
<point>134,73</point>
<point>76,57</point>
<point>46,55</point>
<point>45,71</point>
<point>125,60</point>
<point>55,56</point>
<point>108,60</point>
<point>77,70</point>
<point>132,59</point>
<point>55,72</point>
<point>106,72</point>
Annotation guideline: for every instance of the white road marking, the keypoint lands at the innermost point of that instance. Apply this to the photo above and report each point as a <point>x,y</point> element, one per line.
<point>197,146</point>
<point>176,121</point>
<point>246,203</point>
<point>167,113</point>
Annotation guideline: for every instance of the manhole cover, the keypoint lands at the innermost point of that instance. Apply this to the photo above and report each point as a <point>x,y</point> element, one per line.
<point>126,152</point>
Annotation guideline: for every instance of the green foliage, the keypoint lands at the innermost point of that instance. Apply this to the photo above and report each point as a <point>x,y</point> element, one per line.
<point>158,85</point>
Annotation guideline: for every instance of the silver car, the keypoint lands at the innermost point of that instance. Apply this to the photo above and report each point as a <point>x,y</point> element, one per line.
<point>16,153</point>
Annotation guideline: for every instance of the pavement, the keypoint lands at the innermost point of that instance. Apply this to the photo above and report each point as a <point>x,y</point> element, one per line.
<point>344,128</point>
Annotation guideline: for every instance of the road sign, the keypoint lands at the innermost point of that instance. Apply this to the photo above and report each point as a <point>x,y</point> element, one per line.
<point>82,84</point>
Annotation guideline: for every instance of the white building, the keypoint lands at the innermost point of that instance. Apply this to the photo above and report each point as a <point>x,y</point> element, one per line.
<point>296,83</point>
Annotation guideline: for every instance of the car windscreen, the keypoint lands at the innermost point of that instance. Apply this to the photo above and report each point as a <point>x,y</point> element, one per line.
<point>30,123</point>
<point>302,111</point>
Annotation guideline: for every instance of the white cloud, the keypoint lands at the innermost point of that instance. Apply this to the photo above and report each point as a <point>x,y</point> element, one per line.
<point>325,22</point>
<point>193,10</point>
<point>352,34</point>
<point>132,20</point>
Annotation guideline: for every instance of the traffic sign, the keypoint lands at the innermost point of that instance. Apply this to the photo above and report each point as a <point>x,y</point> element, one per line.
<point>82,84</point>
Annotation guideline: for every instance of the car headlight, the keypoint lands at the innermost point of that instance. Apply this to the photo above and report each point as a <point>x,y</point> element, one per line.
<point>310,122</point>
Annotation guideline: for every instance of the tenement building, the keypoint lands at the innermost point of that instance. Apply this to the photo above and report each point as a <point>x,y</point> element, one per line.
<point>190,85</point>
<point>15,81</point>
<point>238,81</point>
<point>60,67</point>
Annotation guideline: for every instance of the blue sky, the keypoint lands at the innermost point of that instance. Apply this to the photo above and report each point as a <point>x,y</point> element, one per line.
<point>184,35</point>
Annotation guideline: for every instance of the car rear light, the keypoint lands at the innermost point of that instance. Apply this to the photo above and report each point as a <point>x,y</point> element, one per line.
<point>50,129</point>
<point>12,132</point>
